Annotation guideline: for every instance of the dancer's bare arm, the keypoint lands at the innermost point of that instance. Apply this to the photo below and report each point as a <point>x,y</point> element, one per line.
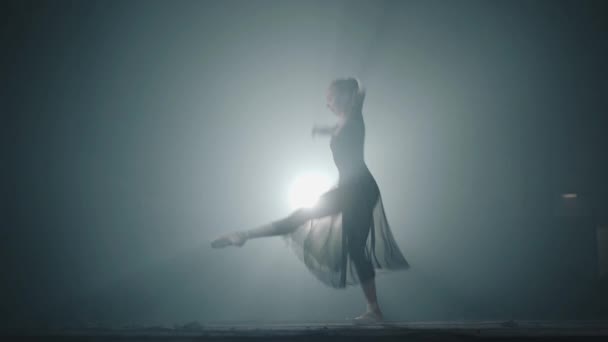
<point>323,130</point>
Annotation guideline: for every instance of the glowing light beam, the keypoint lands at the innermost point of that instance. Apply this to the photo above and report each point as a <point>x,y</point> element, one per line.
<point>306,190</point>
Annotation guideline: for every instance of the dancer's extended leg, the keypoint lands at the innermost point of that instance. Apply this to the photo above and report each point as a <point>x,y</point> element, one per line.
<point>328,204</point>
<point>280,227</point>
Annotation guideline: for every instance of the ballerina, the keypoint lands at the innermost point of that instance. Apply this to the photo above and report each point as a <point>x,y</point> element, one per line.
<point>345,237</point>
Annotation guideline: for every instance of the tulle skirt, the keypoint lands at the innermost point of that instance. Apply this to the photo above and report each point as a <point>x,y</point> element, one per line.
<point>347,239</point>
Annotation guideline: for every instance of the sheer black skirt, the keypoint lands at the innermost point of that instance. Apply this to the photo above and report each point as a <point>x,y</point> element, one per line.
<point>345,239</point>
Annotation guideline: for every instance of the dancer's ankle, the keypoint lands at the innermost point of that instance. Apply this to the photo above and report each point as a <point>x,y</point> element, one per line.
<point>373,307</point>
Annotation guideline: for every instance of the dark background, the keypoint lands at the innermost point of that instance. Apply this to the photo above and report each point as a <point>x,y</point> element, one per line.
<point>134,132</point>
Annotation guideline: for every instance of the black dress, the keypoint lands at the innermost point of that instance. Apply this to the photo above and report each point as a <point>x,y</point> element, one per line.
<point>345,238</point>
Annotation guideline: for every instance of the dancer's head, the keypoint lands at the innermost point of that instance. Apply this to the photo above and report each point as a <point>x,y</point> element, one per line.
<point>345,96</point>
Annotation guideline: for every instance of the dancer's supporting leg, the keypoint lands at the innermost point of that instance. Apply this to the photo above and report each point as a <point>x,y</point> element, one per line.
<point>373,309</point>
<point>360,221</point>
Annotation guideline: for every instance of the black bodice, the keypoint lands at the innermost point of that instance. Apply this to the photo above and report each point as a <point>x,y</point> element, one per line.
<point>347,150</point>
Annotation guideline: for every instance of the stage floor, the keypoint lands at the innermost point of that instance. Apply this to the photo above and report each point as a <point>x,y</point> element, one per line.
<point>335,331</point>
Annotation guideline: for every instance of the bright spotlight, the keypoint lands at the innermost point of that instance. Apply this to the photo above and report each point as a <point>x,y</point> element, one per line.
<point>306,189</point>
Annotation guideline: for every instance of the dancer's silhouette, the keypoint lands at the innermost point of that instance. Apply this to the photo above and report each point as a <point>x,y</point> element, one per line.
<point>345,238</point>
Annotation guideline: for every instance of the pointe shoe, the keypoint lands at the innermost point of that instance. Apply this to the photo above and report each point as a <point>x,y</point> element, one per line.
<point>369,317</point>
<point>234,239</point>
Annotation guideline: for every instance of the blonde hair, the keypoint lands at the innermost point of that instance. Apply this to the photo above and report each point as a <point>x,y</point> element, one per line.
<point>349,95</point>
